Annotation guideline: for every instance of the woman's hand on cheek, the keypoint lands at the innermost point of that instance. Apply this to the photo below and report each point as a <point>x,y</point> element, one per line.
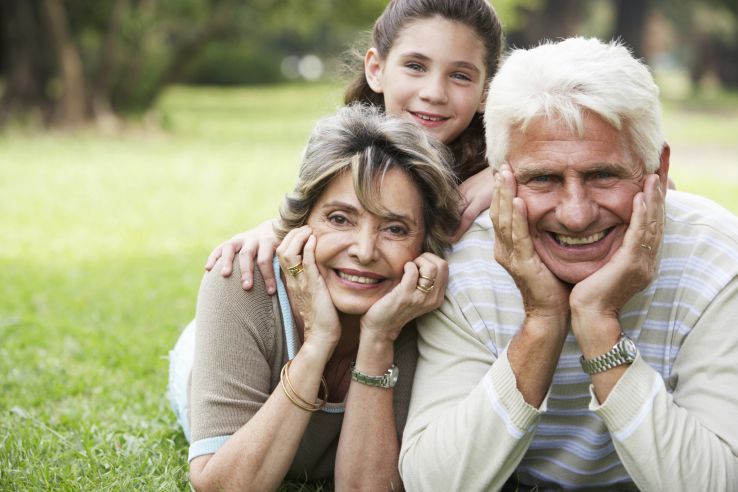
<point>308,293</point>
<point>420,291</point>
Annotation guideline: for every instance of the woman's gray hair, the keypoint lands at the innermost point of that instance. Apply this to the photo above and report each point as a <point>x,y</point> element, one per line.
<point>564,80</point>
<point>362,140</point>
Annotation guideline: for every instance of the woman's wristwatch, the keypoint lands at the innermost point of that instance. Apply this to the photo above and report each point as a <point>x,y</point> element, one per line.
<point>386,380</point>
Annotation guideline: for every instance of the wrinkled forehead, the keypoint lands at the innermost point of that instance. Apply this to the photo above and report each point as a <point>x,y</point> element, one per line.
<point>591,140</point>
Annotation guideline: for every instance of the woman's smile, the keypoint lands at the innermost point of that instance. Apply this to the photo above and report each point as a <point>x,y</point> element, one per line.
<point>362,255</point>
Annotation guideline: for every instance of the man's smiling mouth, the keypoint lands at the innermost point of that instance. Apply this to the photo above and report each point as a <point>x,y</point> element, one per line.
<point>580,241</point>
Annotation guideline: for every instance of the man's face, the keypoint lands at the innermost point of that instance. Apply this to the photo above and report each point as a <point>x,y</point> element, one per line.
<point>578,193</point>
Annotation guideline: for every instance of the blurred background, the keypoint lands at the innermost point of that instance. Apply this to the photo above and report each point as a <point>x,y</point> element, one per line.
<point>65,62</point>
<point>136,135</point>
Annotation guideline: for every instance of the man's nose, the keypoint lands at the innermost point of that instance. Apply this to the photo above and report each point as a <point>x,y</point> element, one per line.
<point>576,210</point>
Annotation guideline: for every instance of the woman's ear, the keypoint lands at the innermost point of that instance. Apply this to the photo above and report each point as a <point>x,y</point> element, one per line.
<point>373,66</point>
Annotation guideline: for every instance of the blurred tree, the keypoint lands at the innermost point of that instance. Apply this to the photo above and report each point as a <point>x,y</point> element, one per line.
<point>72,62</point>
<point>709,30</point>
<point>630,21</point>
<point>67,62</point>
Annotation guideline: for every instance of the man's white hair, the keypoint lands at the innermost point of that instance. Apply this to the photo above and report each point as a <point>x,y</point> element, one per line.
<point>561,81</point>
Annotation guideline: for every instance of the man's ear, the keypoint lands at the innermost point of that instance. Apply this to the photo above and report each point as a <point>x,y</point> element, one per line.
<point>373,66</point>
<point>663,170</point>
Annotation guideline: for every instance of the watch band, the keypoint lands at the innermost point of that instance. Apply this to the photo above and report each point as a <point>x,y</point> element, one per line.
<point>386,380</point>
<point>623,352</point>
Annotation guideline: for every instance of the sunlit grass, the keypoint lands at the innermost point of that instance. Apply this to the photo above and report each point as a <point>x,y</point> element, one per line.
<point>102,242</point>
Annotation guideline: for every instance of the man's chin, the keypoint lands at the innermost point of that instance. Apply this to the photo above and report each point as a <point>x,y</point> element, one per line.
<point>572,274</point>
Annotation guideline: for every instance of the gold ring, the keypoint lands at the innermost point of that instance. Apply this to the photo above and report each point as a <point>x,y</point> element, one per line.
<point>425,290</point>
<point>646,246</point>
<point>295,270</point>
<point>432,279</point>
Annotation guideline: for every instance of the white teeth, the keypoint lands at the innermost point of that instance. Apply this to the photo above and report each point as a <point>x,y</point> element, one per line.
<point>358,279</point>
<point>571,241</point>
<point>428,118</point>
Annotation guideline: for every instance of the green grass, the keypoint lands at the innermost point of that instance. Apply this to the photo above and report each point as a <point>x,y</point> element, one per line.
<point>102,242</point>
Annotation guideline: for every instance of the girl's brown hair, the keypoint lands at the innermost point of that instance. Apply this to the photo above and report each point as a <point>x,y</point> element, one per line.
<point>469,147</point>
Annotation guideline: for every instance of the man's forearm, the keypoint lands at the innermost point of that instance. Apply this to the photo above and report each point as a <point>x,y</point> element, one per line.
<point>534,353</point>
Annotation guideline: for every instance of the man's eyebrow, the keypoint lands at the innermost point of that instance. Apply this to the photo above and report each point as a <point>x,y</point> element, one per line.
<point>526,172</point>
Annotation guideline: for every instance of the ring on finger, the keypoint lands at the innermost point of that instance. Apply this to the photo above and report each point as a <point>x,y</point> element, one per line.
<point>646,246</point>
<point>295,270</point>
<point>432,280</point>
<point>425,290</point>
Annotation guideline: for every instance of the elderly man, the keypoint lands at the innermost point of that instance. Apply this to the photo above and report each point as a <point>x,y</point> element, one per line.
<point>599,348</point>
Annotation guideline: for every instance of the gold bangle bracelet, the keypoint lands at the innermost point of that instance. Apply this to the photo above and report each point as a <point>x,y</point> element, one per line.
<point>294,397</point>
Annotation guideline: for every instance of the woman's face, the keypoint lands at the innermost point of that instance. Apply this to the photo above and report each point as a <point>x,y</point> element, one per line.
<point>434,75</point>
<point>361,255</point>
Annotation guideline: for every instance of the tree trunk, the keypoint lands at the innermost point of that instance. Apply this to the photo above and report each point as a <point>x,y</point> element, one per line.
<point>630,23</point>
<point>24,69</point>
<point>72,105</point>
<point>101,105</point>
<point>555,19</point>
<point>186,52</point>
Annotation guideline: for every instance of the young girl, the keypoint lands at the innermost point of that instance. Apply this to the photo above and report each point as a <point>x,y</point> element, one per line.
<point>430,61</point>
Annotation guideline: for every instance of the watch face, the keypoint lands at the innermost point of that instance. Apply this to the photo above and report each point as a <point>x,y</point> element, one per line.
<point>394,375</point>
<point>629,349</point>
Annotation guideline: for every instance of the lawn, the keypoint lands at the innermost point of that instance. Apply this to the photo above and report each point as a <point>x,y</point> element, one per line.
<point>102,242</point>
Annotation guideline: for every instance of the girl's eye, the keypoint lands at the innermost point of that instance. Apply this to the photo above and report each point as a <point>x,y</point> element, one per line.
<point>417,67</point>
<point>462,76</point>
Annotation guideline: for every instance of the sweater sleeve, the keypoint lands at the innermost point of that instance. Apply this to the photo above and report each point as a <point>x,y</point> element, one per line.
<point>468,425</point>
<point>687,440</point>
<point>232,369</point>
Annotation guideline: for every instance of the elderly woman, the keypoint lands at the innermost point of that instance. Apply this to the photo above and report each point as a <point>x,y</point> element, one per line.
<point>315,383</point>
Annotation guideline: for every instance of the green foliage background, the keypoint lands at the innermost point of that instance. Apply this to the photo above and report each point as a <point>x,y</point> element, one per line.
<point>102,242</point>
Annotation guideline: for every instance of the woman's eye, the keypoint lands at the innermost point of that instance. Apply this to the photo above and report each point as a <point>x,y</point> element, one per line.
<point>337,220</point>
<point>414,66</point>
<point>397,230</point>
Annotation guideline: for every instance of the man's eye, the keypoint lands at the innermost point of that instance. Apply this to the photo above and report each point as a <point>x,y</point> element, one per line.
<point>544,178</point>
<point>603,175</point>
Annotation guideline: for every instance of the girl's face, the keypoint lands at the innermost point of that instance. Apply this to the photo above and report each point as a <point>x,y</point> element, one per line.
<point>434,75</point>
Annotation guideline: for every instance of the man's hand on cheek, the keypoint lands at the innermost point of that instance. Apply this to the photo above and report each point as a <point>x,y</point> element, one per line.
<point>633,265</point>
<point>543,294</point>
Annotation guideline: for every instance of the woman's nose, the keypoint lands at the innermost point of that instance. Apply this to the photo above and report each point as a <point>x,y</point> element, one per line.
<point>364,245</point>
